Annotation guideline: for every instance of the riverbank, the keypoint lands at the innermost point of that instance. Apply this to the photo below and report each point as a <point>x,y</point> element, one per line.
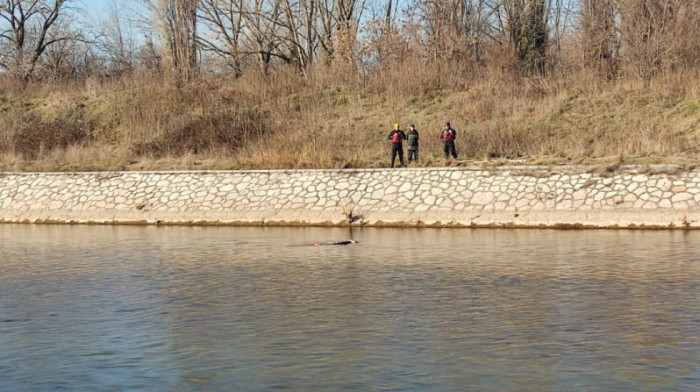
<point>652,197</point>
<point>284,121</point>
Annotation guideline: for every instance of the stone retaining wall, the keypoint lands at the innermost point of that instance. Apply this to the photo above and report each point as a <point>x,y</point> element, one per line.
<point>667,197</point>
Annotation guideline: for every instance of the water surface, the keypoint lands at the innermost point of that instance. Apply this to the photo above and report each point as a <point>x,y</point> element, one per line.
<point>258,309</point>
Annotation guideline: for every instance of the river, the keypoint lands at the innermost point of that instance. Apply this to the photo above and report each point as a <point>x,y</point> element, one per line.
<point>103,308</point>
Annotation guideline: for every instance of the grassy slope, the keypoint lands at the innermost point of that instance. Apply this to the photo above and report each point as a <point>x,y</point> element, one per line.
<point>138,124</point>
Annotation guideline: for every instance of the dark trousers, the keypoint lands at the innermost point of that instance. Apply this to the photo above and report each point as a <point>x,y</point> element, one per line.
<point>449,148</point>
<point>397,149</point>
<point>412,155</point>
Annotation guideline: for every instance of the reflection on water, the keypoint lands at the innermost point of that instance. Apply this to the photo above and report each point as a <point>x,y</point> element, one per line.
<point>144,308</point>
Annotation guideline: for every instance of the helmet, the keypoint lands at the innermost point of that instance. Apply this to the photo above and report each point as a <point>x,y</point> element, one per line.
<point>396,125</point>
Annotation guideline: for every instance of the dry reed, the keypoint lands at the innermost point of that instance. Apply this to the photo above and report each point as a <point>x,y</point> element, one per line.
<point>336,120</point>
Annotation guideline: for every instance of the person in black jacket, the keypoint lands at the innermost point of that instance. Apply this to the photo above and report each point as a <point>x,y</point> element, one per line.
<point>412,141</point>
<point>397,136</point>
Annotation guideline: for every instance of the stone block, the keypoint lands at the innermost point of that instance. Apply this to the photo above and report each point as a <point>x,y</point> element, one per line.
<point>679,188</point>
<point>580,194</point>
<point>482,198</point>
<point>378,194</point>
<point>664,184</point>
<point>679,197</point>
<point>405,187</point>
<point>521,203</point>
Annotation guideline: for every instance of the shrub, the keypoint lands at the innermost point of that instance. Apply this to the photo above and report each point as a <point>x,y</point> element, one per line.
<point>227,130</point>
<point>39,135</point>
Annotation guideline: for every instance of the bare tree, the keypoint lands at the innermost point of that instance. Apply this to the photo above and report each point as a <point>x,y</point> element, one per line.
<point>301,35</point>
<point>525,24</point>
<point>600,35</point>
<point>118,41</point>
<point>647,28</point>
<point>454,27</point>
<point>149,55</point>
<point>687,33</point>
<point>262,30</point>
<point>237,30</point>
<point>561,16</point>
<point>70,59</point>
<point>224,20</point>
<point>293,31</point>
<point>176,23</point>
<point>337,17</point>
<point>27,29</point>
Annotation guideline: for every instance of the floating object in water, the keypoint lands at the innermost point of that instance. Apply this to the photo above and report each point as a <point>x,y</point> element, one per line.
<point>347,242</point>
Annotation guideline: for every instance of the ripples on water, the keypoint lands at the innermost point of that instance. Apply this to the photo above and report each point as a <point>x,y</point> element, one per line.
<point>155,309</point>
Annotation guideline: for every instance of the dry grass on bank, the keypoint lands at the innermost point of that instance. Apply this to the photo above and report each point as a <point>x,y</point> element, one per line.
<point>143,122</point>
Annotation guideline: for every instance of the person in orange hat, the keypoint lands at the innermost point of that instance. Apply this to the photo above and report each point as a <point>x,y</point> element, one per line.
<point>397,136</point>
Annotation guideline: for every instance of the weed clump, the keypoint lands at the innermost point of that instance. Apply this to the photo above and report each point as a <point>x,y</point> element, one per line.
<point>223,131</point>
<point>39,135</point>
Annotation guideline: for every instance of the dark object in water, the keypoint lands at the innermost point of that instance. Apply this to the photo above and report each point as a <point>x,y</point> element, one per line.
<point>348,242</point>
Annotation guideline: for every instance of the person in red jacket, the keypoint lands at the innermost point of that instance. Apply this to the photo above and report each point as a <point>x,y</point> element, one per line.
<point>448,136</point>
<point>397,136</point>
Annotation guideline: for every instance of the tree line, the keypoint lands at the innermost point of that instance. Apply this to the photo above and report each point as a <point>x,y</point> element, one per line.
<point>53,39</point>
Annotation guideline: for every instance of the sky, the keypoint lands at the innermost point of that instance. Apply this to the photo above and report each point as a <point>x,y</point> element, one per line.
<point>98,6</point>
<point>99,9</point>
